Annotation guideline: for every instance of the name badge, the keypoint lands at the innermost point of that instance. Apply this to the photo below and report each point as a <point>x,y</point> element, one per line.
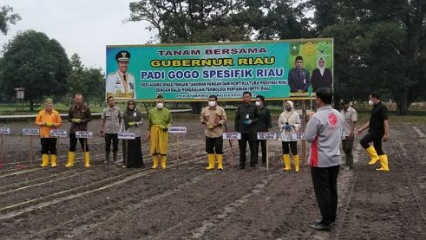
<point>4,130</point>
<point>126,136</point>
<point>232,135</point>
<point>83,134</point>
<point>266,136</point>
<point>31,131</point>
<point>177,130</point>
<point>58,133</point>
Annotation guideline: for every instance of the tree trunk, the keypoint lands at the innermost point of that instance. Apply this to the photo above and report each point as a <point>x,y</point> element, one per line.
<point>402,103</point>
<point>31,104</point>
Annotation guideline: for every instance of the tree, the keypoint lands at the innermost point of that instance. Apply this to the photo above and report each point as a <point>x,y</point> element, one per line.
<point>6,17</point>
<point>381,45</point>
<point>87,81</point>
<point>38,64</point>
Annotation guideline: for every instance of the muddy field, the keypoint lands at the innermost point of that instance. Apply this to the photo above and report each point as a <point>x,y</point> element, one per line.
<point>187,202</point>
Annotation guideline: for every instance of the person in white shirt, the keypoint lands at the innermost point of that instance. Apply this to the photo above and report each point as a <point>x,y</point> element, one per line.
<point>350,118</point>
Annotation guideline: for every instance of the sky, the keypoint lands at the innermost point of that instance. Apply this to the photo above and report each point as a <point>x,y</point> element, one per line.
<point>84,27</point>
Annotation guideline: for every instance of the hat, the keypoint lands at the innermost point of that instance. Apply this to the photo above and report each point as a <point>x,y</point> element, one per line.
<point>122,56</point>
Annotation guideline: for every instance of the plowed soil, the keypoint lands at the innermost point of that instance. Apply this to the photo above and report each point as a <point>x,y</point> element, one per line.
<point>185,201</point>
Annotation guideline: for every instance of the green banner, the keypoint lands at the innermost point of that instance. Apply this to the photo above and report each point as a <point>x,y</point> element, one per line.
<point>193,72</point>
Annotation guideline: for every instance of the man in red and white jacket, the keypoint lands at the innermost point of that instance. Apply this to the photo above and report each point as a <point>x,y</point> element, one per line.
<point>325,131</point>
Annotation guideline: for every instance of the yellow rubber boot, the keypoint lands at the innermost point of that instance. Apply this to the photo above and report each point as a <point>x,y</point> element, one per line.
<point>286,160</point>
<point>211,159</point>
<point>296,162</point>
<point>71,159</point>
<point>53,159</point>
<point>383,163</point>
<point>163,161</point>
<point>154,161</point>
<point>44,160</point>
<point>219,158</point>
<point>87,159</point>
<point>373,155</point>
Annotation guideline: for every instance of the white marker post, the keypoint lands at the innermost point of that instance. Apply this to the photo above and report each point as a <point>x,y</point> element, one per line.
<point>85,135</point>
<point>266,136</point>
<point>232,136</point>
<point>177,131</point>
<point>126,136</point>
<point>31,132</point>
<point>3,131</point>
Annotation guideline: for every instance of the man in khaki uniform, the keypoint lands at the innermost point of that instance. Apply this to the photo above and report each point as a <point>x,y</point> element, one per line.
<point>350,117</point>
<point>213,117</point>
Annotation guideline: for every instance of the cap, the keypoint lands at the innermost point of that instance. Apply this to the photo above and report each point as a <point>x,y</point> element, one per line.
<point>122,56</point>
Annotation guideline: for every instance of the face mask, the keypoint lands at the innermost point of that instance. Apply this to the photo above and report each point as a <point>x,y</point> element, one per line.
<point>370,102</point>
<point>212,103</point>
<point>160,105</point>
<point>258,103</point>
<point>288,109</point>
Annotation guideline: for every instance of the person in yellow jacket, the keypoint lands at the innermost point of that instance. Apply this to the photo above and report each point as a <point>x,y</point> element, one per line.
<point>48,119</point>
<point>160,120</point>
<point>214,118</point>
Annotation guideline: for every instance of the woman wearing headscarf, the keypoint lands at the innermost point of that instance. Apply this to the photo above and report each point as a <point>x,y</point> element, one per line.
<point>289,123</point>
<point>132,150</point>
<point>321,76</point>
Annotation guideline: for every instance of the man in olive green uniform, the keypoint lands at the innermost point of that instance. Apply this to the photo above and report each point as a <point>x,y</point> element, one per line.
<point>160,120</point>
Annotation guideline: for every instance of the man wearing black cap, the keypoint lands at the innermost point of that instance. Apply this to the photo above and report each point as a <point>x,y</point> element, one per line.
<point>121,84</point>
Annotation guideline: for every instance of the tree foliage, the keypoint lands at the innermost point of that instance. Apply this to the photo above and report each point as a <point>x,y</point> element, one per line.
<point>7,17</point>
<point>379,45</point>
<point>87,81</point>
<point>39,64</point>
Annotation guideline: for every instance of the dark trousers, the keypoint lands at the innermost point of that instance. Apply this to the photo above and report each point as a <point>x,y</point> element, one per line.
<point>376,138</point>
<point>347,145</point>
<point>132,153</point>
<point>48,146</point>
<point>111,137</point>
<point>73,143</point>
<point>251,138</point>
<point>289,145</point>
<point>325,187</point>
<point>214,145</point>
<point>262,144</point>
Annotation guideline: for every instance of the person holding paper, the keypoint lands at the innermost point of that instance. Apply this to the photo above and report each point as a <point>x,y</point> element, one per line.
<point>79,115</point>
<point>132,149</point>
<point>263,125</point>
<point>160,119</point>
<point>111,120</point>
<point>289,124</point>
<point>246,118</point>
<point>47,120</point>
<point>213,117</point>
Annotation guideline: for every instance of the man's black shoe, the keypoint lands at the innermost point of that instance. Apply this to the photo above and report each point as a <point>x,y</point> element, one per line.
<point>321,227</point>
